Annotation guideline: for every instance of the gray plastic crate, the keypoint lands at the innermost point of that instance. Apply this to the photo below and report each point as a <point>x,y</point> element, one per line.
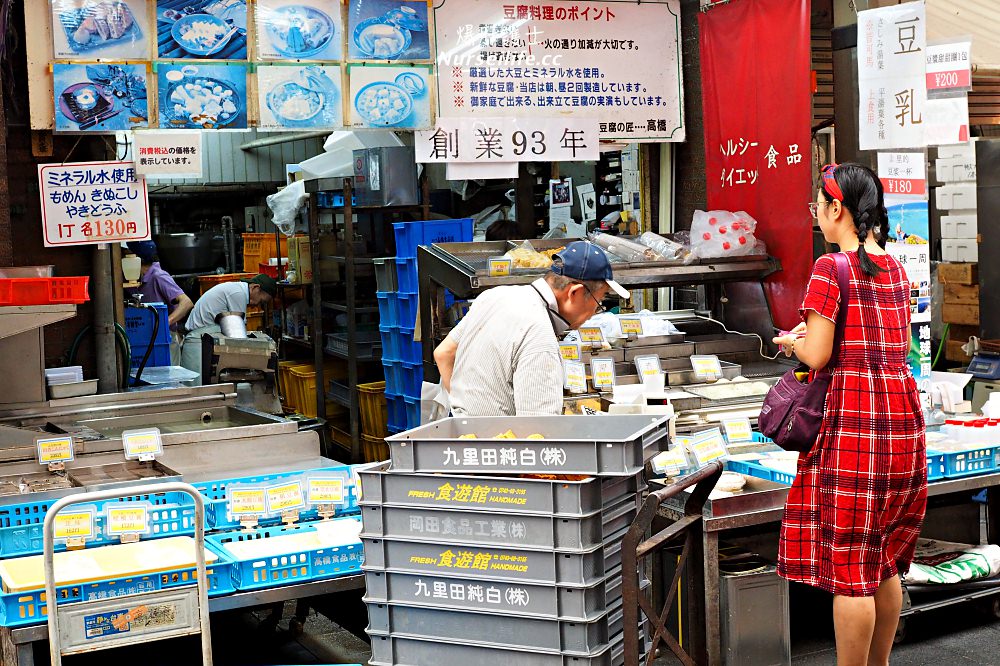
<point>619,517</point>
<point>526,599</point>
<point>593,445</point>
<point>486,629</point>
<point>616,487</point>
<point>385,274</point>
<point>566,533</point>
<point>392,650</point>
<point>613,550</point>
<point>489,493</point>
<point>545,567</point>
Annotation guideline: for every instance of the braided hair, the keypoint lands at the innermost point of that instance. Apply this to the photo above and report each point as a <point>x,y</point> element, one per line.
<point>860,191</point>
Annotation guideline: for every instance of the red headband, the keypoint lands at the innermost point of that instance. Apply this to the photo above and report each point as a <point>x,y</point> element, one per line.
<point>830,183</point>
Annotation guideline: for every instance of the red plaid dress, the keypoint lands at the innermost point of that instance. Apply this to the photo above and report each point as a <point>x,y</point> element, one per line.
<point>855,509</point>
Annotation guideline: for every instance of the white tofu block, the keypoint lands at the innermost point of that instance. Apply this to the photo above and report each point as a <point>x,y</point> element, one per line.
<point>956,197</point>
<point>965,151</point>
<point>955,169</point>
<point>960,224</point>
<point>959,249</point>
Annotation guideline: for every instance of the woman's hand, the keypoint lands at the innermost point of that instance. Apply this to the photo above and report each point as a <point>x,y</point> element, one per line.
<point>800,329</point>
<point>785,342</point>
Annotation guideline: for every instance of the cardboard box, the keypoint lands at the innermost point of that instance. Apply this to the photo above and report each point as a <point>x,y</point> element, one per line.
<point>300,259</point>
<point>961,294</point>
<point>960,224</point>
<point>960,314</point>
<point>960,249</point>
<point>958,273</point>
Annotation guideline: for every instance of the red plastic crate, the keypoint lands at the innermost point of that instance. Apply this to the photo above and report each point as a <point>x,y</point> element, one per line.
<point>273,271</point>
<point>44,291</point>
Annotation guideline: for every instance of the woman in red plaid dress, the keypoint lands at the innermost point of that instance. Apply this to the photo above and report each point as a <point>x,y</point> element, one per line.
<point>855,509</point>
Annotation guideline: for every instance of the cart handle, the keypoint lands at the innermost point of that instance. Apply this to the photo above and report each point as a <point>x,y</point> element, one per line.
<point>48,554</point>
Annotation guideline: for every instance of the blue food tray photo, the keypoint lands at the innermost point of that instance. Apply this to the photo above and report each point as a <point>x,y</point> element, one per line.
<point>170,514</point>
<point>216,513</point>
<point>759,471</point>
<point>288,568</point>
<point>18,609</point>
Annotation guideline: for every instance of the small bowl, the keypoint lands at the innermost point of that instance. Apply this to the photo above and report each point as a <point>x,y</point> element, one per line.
<point>178,28</point>
<point>279,24</point>
<point>367,104</point>
<point>374,28</point>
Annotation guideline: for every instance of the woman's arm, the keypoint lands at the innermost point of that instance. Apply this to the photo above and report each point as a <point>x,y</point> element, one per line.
<point>816,346</point>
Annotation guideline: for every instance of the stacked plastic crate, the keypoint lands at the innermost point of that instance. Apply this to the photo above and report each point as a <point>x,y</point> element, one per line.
<point>398,300</point>
<point>472,555</point>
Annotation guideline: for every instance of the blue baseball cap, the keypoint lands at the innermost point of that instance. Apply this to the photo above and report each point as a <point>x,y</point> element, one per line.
<point>582,260</point>
<point>145,250</point>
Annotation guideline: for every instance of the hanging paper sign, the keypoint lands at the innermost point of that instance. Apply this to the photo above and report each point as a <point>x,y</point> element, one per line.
<point>738,430</point>
<point>285,497</point>
<point>903,174</point>
<point>54,450</point>
<point>949,67</point>
<point>706,368</point>
<point>174,153</point>
<point>500,266</point>
<point>127,519</point>
<point>631,325</point>
<point>144,444</point>
<point>648,366</point>
<point>602,371</point>
<point>75,525</point>
<point>576,376</point>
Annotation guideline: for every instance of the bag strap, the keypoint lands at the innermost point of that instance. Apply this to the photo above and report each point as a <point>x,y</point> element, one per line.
<point>844,282</point>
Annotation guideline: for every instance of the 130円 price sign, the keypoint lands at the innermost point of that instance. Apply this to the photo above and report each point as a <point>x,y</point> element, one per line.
<point>476,140</point>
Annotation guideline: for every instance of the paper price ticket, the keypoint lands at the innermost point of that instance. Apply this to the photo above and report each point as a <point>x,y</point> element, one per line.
<point>569,351</point>
<point>631,325</point>
<point>738,430</point>
<point>602,371</point>
<point>246,502</point>
<point>285,497</point>
<point>53,450</point>
<point>500,266</point>
<point>142,444</point>
<point>576,376</point>
<point>326,490</point>
<point>74,525</point>
<point>127,519</point>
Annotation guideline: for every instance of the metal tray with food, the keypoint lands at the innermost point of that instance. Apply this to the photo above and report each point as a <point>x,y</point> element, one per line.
<point>592,445</point>
<point>664,351</point>
<point>678,371</point>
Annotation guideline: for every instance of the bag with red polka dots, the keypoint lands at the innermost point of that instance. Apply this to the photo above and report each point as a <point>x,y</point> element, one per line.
<point>720,233</point>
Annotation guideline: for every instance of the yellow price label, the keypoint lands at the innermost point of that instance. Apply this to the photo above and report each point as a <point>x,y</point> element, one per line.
<point>127,520</point>
<point>285,497</point>
<point>706,367</point>
<point>591,334</point>
<point>500,266</point>
<point>249,502</point>
<point>603,372</point>
<point>142,443</point>
<point>326,491</point>
<point>569,352</point>
<point>738,430</point>
<point>74,525</point>
<point>631,326</point>
<point>55,450</point>
<point>576,377</point>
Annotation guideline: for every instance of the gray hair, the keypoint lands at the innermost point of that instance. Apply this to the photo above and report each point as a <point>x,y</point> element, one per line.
<point>560,282</point>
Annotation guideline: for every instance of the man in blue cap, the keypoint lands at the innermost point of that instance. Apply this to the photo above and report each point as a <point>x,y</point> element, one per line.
<point>157,286</point>
<point>502,359</point>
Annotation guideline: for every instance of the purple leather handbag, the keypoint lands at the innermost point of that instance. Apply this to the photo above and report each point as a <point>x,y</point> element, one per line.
<point>793,409</point>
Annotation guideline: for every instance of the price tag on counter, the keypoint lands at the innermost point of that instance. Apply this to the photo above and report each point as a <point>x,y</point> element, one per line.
<point>55,451</point>
<point>602,372</point>
<point>706,368</point>
<point>285,497</point>
<point>500,266</point>
<point>576,376</point>
<point>144,444</point>
<point>591,334</point>
<point>707,446</point>
<point>326,490</point>
<point>670,463</point>
<point>75,526</point>
<point>738,430</point>
<point>648,366</point>
<point>631,325</point>
<point>246,502</point>
<point>127,519</point>
<point>569,351</point>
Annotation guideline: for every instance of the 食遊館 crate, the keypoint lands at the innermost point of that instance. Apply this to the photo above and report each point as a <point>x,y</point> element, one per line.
<point>593,445</point>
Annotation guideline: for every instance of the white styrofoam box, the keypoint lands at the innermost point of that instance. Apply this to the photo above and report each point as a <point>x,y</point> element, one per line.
<point>956,197</point>
<point>955,169</point>
<point>959,249</point>
<point>965,151</point>
<point>960,224</point>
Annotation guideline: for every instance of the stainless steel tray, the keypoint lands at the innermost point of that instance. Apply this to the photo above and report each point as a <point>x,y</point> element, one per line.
<point>121,475</point>
<point>665,351</point>
<point>592,445</point>
<point>679,372</point>
<point>39,487</point>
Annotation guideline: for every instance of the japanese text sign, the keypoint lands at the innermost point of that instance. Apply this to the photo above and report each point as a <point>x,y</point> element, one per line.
<point>575,374</point>
<point>144,444</point>
<point>285,497</point>
<point>603,372</point>
<point>174,153</point>
<point>75,525</point>
<point>504,140</point>
<point>619,62</point>
<point>127,519</point>
<point>92,202</point>
<point>949,67</point>
<point>892,53</point>
<point>708,445</point>
<point>246,501</point>
<point>326,490</point>
<point>903,174</point>
<point>55,450</point>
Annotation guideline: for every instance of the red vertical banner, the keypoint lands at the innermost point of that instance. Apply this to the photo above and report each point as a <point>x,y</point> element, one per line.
<point>755,59</point>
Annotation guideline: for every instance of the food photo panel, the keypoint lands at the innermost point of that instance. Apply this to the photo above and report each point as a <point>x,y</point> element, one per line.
<point>299,30</point>
<point>388,96</point>
<point>104,97</point>
<point>100,29</point>
<point>202,95</point>
<point>215,29</point>
<point>292,97</point>
<point>388,30</point>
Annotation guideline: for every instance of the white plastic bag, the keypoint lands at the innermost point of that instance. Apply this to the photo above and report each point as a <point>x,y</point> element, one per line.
<point>435,404</point>
<point>285,205</point>
<point>720,233</point>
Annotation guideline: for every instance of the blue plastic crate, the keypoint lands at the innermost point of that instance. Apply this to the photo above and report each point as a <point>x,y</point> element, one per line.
<point>410,351</point>
<point>412,379</point>
<point>170,514</point>
<point>393,376</point>
<point>139,325</point>
<point>331,200</point>
<point>407,306</point>
<point>759,471</point>
<point>406,274</point>
<point>287,568</point>
<point>217,517</point>
<point>158,357</point>
<point>411,234</point>
<point>758,438</point>
<point>19,609</point>
<point>387,309</point>
<point>412,406</point>
<point>936,467</point>
<point>972,462</point>
<point>395,412</point>
<point>390,344</point>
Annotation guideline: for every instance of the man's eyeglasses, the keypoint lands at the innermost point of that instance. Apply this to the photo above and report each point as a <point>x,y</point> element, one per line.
<point>814,208</point>
<point>600,307</point>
